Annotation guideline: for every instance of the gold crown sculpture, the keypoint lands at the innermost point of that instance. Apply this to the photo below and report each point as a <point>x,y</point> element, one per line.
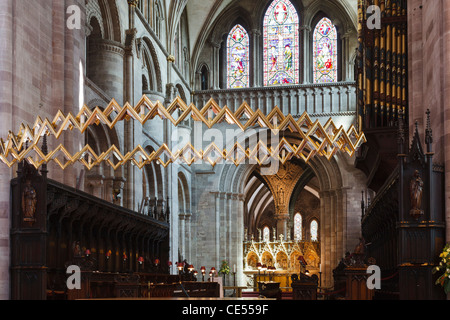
<point>314,138</point>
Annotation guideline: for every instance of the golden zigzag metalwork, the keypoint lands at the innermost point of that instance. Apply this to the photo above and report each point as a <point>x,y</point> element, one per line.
<point>315,139</point>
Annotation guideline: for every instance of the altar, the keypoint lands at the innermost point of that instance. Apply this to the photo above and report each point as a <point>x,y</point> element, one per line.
<point>278,260</point>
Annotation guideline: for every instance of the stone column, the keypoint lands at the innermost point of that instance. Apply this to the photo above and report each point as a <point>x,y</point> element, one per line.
<point>186,234</point>
<point>307,58</point>
<point>240,277</point>
<point>346,67</point>
<point>325,229</point>
<point>229,221</point>
<point>107,68</point>
<point>257,58</point>
<point>215,65</point>
<point>217,229</point>
<point>182,235</point>
<point>446,114</point>
<point>6,115</point>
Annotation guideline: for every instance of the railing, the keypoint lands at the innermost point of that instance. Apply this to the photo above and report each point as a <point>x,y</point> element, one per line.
<point>316,99</point>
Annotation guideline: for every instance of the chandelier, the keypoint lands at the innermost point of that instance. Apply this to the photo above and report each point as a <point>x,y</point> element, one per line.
<point>313,137</point>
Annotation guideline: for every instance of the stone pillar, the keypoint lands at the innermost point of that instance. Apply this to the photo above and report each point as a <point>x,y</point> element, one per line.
<point>106,68</point>
<point>6,115</point>
<point>347,67</point>
<point>325,225</point>
<point>187,233</point>
<point>257,58</point>
<point>182,235</point>
<point>217,229</point>
<point>307,59</point>
<point>282,222</point>
<point>240,277</point>
<point>446,114</point>
<point>214,74</point>
<point>229,221</point>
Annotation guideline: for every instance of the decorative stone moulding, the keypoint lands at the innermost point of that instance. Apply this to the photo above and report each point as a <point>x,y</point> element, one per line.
<point>313,137</point>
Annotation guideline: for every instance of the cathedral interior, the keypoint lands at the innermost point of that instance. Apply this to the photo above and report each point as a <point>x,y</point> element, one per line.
<point>228,146</point>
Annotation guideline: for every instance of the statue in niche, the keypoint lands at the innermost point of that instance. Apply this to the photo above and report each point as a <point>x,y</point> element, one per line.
<point>416,194</point>
<point>76,249</point>
<point>29,201</point>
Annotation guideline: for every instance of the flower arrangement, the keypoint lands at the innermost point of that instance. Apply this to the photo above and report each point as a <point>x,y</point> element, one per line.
<point>444,266</point>
<point>225,268</point>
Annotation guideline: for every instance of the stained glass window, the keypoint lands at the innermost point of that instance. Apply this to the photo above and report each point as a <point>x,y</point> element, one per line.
<point>281,44</point>
<point>238,58</point>
<point>266,234</point>
<point>325,52</point>
<point>298,227</point>
<point>314,230</point>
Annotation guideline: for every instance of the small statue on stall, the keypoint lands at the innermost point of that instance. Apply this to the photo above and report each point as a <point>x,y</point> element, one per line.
<point>29,201</point>
<point>76,249</point>
<point>416,193</point>
<point>359,253</point>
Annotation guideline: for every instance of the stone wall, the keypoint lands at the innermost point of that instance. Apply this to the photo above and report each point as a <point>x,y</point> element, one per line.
<point>429,78</point>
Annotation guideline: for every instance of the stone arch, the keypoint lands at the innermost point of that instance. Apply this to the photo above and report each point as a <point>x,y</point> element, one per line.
<point>185,196</point>
<point>342,17</point>
<point>111,20</point>
<point>104,139</point>
<point>228,19</point>
<point>154,170</point>
<point>204,76</point>
<point>332,200</point>
<point>267,259</point>
<point>150,60</point>
<point>181,92</point>
<point>282,260</point>
<point>251,260</point>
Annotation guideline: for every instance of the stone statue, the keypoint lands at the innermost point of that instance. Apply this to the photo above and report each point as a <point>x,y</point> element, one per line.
<point>76,249</point>
<point>416,194</point>
<point>29,200</point>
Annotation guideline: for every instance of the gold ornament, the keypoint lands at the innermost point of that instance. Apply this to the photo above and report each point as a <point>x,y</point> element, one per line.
<point>315,138</point>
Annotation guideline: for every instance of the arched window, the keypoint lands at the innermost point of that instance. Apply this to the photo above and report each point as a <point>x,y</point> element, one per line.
<point>266,234</point>
<point>238,58</point>
<point>281,44</point>
<point>298,227</point>
<point>314,230</point>
<point>325,57</point>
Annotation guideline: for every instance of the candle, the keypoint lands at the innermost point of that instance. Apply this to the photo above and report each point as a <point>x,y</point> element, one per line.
<point>320,267</point>
<point>234,268</point>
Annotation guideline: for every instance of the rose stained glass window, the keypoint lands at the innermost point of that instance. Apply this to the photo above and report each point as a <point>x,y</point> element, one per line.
<point>325,57</point>
<point>281,44</point>
<point>238,58</point>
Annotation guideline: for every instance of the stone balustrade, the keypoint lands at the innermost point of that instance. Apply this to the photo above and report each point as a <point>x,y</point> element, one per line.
<point>335,99</point>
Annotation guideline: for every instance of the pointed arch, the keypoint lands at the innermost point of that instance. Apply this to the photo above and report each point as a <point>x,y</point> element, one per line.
<point>325,52</point>
<point>281,44</point>
<point>111,20</point>
<point>238,58</point>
